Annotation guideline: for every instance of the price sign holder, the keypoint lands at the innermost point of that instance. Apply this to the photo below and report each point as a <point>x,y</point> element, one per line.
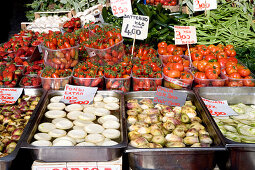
<point>219,108</point>
<point>121,7</point>
<point>169,97</point>
<point>78,94</point>
<point>136,27</point>
<point>10,95</point>
<point>185,35</point>
<point>203,5</point>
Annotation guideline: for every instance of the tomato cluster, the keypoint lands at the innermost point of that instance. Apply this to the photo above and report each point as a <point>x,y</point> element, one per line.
<point>55,79</point>
<point>72,25</point>
<point>30,81</point>
<point>143,51</point>
<point>238,75</point>
<point>33,68</point>
<point>61,51</point>
<point>105,45</point>
<point>163,2</point>
<point>9,75</point>
<point>147,75</point>
<point>165,49</point>
<point>89,75</point>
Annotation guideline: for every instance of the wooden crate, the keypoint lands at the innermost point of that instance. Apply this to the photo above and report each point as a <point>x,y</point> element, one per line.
<point>24,25</point>
<point>69,14</point>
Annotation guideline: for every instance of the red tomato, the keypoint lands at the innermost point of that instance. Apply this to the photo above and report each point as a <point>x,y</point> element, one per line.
<point>170,48</point>
<point>211,73</point>
<point>235,75</point>
<point>201,65</point>
<point>210,57</point>
<point>248,81</point>
<point>218,82</point>
<point>196,56</point>
<point>174,74</point>
<point>244,72</point>
<point>233,59</point>
<point>230,70</point>
<point>161,51</point>
<point>222,62</point>
<point>178,66</point>
<point>200,78</point>
<point>221,55</point>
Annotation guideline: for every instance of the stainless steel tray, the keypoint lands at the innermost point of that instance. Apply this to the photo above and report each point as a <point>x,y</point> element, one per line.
<point>240,155</point>
<point>6,162</point>
<point>77,153</point>
<point>176,158</point>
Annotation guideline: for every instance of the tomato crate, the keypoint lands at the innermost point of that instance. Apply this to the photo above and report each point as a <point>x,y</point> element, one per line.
<point>146,84</point>
<point>108,56</point>
<point>122,84</point>
<point>61,58</point>
<point>178,84</point>
<point>55,83</point>
<point>198,82</point>
<point>89,82</point>
<point>32,78</point>
<point>165,59</point>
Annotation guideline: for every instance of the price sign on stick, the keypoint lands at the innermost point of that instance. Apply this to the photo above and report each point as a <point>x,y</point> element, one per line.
<point>135,26</point>
<point>10,95</point>
<point>185,35</point>
<point>78,94</point>
<point>219,108</point>
<point>201,5</point>
<point>121,7</point>
<point>169,97</point>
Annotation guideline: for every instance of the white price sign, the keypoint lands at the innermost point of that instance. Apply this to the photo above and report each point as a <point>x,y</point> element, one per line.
<point>201,5</point>
<point>185,35</point>
<point>219,108</point>
<point>121,7</point>
<point>10,95</point>
<point>78,94</point>
<point>135,26</point>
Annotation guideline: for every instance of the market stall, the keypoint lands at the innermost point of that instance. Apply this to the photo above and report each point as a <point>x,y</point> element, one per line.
<point>130,85</point>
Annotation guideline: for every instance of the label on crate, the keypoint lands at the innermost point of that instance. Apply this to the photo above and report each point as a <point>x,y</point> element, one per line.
<point>169,97</point>
<point>121,7</point>
<point>185,35</point>
<point>10,95</point>
<point>78,94</point>
<point>135,26</point>
<point>219,108</point>
<point>202,5</point>
<point>177,82</point>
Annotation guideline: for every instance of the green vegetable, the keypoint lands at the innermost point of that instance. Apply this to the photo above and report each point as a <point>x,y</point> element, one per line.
<point>226,25</point>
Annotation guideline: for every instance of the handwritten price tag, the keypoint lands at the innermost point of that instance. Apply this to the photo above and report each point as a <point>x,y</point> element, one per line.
<point>169,97</point>
<point>185,35</point>
<point>219,108</point>
<point>10,95</point>
<point>78,94</point>
<point>135,26</point>
<point>121,7</point>
<point>201,5</point>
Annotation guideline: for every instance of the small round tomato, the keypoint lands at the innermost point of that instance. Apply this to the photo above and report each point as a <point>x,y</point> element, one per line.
<point>210,57</point>
<point>161,51</point>
<point>248,81</point>
<point>178,66</point>
<point>244,72</point>
<point>162,45</point>
<point>170,48</point>
<point>196,56</point>
<point>222,62</point>
<point>235,75</point>
<point>233,59</point>
<point>230,70</point>
<point>211,73</point>
<point>221,55</point>
<point>201,65</point>
<point>174,74</point>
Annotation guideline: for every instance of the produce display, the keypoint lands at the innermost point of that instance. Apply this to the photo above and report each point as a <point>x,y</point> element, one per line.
<point>72,25</point>
<point>10,75</point>
<point>76,125</point>
<point>33,68</point>
<point>55,79</point>
<point>89,75</point>
<point>30,81</point>
<point>157,126</point>
<point>238,128</point>
<point>13,121</point>
<point>163,2</point>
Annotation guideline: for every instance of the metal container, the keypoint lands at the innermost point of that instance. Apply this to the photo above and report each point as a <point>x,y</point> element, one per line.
<point>6,162</point>
<point>176,158</point>
<point>77,153</point>
<point>239,155</point>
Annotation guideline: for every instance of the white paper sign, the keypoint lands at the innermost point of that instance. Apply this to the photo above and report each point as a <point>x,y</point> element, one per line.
<point>78,94</point>
<point>219,108</point>
<point>135,26</point>
<point>185,35</point>
<point>10,95</point>
<point>201,5</point>
<point>121,7</point>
